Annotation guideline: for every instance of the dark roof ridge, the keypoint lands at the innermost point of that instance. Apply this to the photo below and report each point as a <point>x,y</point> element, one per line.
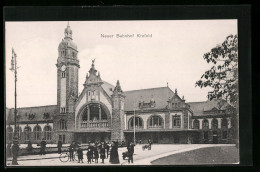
<point>33,107</point>
<point>148,89</point>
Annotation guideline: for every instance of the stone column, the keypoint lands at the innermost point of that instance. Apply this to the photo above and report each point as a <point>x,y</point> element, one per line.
<point>192,121</point>
<point>200,120</point>
<point>229,122</point>
<point>219,122</point>
<point>88,112</point>
<point>210,120</point>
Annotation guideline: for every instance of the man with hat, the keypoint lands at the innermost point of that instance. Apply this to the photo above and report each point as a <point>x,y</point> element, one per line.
<point>15,151</point>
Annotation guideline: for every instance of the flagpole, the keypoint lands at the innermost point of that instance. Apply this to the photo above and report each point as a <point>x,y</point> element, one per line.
<point>134,125</point>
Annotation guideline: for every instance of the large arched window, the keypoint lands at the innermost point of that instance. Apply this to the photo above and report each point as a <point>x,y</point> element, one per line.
<point>47,132</point>
<point>63,124</point>
<point>10,132</point>
<point>196,124</point>
<point>224,123</point>
<point>27,133</point>
<point>214,124</point>
<point>155,122</point>
<point>205,124</point>
<point>37,132</point>
<point>138,122</point>
<point>93,111</point>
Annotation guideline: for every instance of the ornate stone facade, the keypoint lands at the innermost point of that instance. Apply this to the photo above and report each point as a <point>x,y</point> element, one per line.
<point>106,112</point>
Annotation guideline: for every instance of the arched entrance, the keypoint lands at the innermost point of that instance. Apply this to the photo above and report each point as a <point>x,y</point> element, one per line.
<point>93,123</point>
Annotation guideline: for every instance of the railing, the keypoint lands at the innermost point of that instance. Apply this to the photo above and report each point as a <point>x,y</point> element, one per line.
<point>136,127</point>
<point>155,126</point>
<point>95,124</point>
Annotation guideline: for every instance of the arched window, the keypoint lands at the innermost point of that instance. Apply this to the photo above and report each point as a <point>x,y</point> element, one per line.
<point>10,132</point>
<point>196,124</point>
<point>27,133</point>
<point>94,110</point>
<point>155,122</point>
<point>214,124</point>
<point>37,132</point>
<point>205,124</point>
<point>47,132</point>
<point>224,123</point>
<point>138,123</point>
<point>63,124</point>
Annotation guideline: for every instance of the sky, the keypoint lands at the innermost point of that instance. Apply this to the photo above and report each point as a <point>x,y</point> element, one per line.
<point>173,54</point>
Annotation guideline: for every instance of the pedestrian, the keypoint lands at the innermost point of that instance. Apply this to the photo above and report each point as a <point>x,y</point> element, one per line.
<point>107,147</point>
<point>43,146</point>
<point>89,156</point>
<point>8,149</point>
<point>71,151</point>
<point>59,145</point>
<point>15,151</point>
<point>29,147</point>
<point>95,153</point>
<point>102,153</point>
<point>114,159</point>
<point>130,149</point>
<point>150,144</point>
<point>80,155</point>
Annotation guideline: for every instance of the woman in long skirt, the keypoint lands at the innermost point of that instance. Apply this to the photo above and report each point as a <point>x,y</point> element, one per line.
<point>114,159</point>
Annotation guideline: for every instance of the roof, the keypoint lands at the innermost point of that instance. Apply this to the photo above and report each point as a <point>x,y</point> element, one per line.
<point>160,96</point>
<point>108,88</point>
<point>199,107</point>
<point>37,111</point>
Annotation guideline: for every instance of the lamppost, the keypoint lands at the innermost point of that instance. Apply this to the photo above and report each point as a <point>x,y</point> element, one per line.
<point>14,69</point>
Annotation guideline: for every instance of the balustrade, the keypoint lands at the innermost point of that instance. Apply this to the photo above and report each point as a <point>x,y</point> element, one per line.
<point>95,124</point>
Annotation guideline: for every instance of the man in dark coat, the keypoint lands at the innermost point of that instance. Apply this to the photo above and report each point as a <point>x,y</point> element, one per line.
<point>89,155</point>
<point>150,144</point>
<point>80,155</point>
<point>114,159</point>
<point>29,146</point>
<point>8,149</point>
<point>71,151</point>
<point>59,145</point>
<point>43,146</point>
<point>15,151</point>
<point>130,149</point>
<point>95,152</point>
<point>102,152</point>
<point>107,147</point>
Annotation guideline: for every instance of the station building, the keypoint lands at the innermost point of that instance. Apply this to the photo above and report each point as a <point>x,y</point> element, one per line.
<point>105,112</point>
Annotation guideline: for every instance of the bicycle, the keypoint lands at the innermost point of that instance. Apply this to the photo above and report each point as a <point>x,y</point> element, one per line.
<point>65,156</point>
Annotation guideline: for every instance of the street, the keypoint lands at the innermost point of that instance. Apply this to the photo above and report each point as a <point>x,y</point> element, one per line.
<point>140,157</point>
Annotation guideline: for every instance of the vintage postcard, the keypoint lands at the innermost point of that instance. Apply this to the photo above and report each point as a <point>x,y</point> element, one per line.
<point>140,92</point>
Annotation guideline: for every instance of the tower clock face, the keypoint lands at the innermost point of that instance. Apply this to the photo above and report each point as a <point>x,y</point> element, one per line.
<point>63,67</point>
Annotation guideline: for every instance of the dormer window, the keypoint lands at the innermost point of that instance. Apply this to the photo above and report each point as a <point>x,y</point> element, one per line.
<point>63,110</point>
<point>63,74</point>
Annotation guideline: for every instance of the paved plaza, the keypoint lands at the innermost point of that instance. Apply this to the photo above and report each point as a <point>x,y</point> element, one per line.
<point>141,157</point>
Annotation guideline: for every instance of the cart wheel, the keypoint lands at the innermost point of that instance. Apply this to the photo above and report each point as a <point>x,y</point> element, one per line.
<point>64,157</point>
<point>76,157</point>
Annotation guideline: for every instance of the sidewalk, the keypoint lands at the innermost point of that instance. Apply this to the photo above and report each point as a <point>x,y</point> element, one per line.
<point>141,157</point>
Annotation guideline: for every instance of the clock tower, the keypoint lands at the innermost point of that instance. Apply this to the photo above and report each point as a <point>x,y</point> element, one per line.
<point>67,74</point>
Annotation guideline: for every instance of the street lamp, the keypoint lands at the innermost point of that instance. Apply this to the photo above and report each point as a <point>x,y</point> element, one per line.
<point>14,69</point>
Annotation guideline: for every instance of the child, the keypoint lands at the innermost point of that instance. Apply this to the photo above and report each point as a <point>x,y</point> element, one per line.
<point>80,155</point>
<point>89,156</point>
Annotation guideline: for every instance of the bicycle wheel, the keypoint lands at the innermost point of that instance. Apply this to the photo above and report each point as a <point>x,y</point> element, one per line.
<point>76,156</point>
<point>64,157</point>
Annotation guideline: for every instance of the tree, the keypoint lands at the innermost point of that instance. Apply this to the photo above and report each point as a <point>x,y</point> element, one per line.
<point>222,77</point>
